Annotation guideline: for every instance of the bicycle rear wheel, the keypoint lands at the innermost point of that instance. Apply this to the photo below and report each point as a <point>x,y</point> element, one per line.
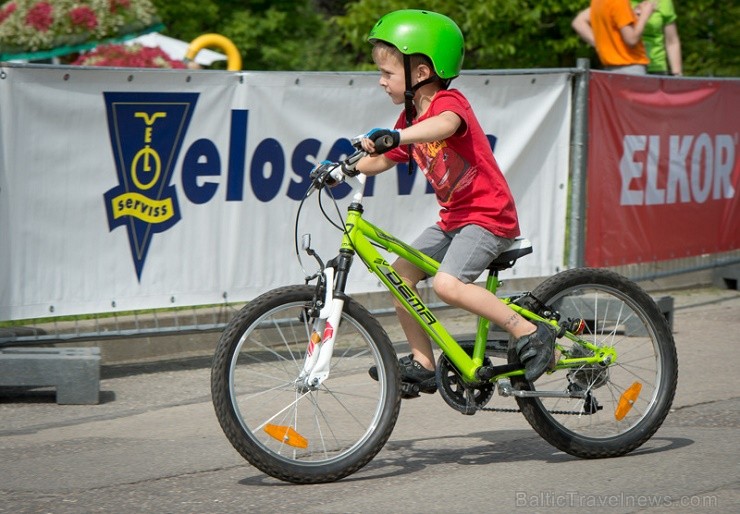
<point>304,436</point>
<point>625,402</point>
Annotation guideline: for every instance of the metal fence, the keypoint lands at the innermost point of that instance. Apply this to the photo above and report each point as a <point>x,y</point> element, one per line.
<point>214,318</point>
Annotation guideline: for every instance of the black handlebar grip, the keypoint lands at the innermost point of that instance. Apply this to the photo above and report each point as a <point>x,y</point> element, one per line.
<point>384,143</point>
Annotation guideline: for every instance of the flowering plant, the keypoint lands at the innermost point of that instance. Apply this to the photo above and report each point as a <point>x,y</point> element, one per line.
<point>33,25</point>
<point>128,56</point>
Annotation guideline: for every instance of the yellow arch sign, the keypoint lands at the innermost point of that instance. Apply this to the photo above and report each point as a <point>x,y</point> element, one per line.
<point>233,58</point>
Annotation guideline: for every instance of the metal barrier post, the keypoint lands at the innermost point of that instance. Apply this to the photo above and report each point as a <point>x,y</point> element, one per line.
<point>578,166</point>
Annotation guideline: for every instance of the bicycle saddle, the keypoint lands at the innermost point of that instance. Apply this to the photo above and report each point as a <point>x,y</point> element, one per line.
<point>506,259</point>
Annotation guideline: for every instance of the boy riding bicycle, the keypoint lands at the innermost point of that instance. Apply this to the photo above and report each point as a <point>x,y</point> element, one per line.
<point>418,54</point>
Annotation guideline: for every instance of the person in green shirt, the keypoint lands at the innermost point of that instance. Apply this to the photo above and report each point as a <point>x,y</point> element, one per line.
<point>661,40</point>
<point>660,36</point>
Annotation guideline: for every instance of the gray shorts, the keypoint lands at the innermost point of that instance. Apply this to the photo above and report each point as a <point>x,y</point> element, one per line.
<point>463,253</point>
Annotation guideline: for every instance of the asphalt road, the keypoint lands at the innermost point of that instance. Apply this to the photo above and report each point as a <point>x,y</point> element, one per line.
<point>154,445</point>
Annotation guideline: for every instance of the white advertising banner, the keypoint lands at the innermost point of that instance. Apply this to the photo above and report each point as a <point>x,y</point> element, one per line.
<point>132,189</point>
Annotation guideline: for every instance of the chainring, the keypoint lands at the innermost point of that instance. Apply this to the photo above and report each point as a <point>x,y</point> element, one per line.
<point>465,398</point>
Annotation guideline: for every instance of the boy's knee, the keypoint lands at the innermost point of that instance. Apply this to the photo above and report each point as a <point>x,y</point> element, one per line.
<point>446,287</point>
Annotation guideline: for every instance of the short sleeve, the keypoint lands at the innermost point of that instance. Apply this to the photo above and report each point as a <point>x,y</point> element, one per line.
<point>622,14</point>
<point>453,101</point>
<point>668,12</point>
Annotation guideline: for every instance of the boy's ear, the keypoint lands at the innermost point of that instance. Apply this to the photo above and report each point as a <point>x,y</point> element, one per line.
<point>423,72</point>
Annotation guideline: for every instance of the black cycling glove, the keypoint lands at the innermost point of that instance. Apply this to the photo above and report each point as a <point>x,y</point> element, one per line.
<point>384,139</point>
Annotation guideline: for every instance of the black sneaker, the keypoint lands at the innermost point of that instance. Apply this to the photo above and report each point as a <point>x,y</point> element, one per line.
<point>414,373</point>
<point>536,351</point>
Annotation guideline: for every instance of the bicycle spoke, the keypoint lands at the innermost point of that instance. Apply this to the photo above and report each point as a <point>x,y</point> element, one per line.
<point>280,420</point>
<point>617,315</point>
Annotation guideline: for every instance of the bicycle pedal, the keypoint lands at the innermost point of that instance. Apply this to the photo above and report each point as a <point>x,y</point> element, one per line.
<point>413,389</point>
<point>409,390</point>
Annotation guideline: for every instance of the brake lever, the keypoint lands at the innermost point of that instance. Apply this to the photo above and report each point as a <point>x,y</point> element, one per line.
<point>348,164</point>
<point>321,174</point>
<point>357,141</point>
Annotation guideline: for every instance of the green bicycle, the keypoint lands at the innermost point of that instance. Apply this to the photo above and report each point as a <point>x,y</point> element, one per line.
<point>290,381</point>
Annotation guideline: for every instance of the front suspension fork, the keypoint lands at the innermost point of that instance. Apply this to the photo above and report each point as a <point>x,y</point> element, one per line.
<point>317,363</point>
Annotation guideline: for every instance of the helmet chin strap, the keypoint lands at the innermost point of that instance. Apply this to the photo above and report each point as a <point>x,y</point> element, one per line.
<point>408,98</point>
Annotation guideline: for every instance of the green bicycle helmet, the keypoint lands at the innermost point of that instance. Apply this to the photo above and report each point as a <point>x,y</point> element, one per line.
<point>429,33</point>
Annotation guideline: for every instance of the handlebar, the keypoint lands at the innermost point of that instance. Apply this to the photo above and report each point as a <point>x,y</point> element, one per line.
<point>331,173</point>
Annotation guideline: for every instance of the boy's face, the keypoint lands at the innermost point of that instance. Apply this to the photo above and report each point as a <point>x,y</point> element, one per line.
<point>392,80</point>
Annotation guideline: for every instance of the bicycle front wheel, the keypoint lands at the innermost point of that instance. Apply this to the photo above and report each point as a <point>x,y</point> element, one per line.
<point>293,434</point>
<point>622,404</point>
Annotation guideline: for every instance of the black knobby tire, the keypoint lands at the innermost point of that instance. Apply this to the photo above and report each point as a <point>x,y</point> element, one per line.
<point>343,424</point>
<point>620,314</point>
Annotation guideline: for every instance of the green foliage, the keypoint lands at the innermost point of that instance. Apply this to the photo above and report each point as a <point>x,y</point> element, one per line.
<point>292,38</point>
<point>332,34</point>
<point>710,37</point>
<point>270,34</point>
<point>188,19</point>
<point>498,33</point>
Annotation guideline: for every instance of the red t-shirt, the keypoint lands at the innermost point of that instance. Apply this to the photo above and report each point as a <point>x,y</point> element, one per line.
<point>468,183</point>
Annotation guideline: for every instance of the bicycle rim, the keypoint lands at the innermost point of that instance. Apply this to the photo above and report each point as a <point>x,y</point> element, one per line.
<point>624,403</point>
<point>313,428</point>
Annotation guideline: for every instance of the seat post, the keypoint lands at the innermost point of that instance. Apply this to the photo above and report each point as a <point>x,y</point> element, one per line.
<point>492,282</point>
<point>481,335</point>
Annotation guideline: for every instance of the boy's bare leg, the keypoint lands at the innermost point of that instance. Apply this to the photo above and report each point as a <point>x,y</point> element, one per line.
<point>534,344</point>
<point>421,346</point>
<point>481,302</point>
<point>451,290</point>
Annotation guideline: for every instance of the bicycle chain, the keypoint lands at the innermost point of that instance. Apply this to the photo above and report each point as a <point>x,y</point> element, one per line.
<point>498,409</point>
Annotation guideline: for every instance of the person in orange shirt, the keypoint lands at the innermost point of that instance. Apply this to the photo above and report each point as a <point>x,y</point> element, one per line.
<point>612,27</point>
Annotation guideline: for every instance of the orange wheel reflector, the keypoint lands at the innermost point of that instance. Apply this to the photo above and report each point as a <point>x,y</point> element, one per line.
<point>286,435</point>
<point>627,400</point>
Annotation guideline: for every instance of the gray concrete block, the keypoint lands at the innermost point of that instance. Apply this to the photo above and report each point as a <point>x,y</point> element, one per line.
<point>74,372</point>
<point>727,277</point>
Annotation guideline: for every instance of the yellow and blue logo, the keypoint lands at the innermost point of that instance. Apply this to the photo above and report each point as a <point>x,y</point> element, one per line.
<point>146,134</point>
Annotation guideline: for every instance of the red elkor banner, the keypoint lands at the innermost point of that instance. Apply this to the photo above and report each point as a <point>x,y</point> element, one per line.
<point>663,171</point>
